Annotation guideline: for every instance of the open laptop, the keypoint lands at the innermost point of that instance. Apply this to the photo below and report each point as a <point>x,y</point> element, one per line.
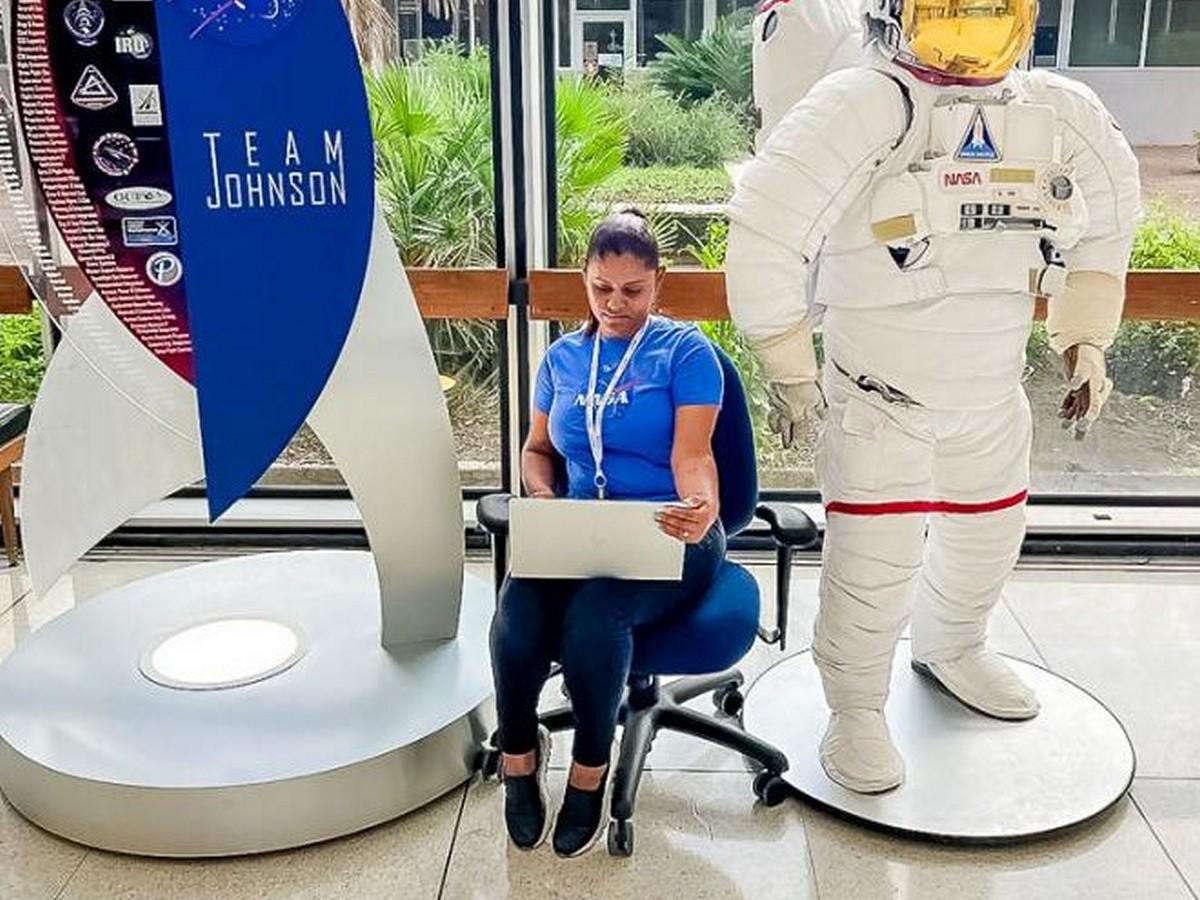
<point>591,539</point>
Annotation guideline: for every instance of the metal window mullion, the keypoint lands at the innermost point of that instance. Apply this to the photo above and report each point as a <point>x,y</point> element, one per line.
<point>1066,24</point>
<point>1145,35</point>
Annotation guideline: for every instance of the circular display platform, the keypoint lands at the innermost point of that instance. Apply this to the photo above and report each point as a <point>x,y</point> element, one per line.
<point>316,732</point>
<point>969,778</point>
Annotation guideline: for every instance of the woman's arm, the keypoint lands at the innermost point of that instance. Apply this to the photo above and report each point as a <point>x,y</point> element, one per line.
<point>695,472</point>
<point>538,458</point>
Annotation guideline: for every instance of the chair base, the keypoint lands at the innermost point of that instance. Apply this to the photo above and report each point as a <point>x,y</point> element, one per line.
<point>650,708</point>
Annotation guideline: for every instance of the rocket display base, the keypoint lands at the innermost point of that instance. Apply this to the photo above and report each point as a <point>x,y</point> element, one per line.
<point>132,724</point>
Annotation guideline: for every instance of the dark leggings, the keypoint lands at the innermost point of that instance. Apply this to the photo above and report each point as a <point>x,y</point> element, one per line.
<point>588,626</point>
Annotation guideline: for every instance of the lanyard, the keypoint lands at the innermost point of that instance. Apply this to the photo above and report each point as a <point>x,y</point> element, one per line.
<point>593,412</point>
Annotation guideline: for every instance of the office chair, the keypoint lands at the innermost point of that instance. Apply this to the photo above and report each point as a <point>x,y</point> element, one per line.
<point>703,643</point>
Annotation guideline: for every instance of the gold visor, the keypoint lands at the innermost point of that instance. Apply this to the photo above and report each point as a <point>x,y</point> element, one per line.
<point>969,38</point>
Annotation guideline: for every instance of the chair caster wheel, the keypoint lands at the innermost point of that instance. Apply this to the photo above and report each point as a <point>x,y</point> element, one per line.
<point>729,700</point>
<point>620,838</point>
<point>770,788</point>
<point>489,763</point>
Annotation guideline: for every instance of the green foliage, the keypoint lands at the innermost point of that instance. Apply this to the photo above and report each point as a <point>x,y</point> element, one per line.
<point>22,360</point>
<point>717,63</point>
<point>1155,358</point>
<point>433,131</point>
<point>665,132</point>
<point>591,142</point>
<point>710,252</point>
<point>1160,358</point>
<point>667,184</point>
<point>1166,240</point>
<point>432,123</point>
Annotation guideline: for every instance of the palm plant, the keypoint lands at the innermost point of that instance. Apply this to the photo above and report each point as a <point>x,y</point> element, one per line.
<point>719,62</point>
<point>591,141</point>
<point>374,31</point>
<point>433,137</point>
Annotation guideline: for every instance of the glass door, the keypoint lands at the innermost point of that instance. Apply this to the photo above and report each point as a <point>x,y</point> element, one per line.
<point>603,40</point>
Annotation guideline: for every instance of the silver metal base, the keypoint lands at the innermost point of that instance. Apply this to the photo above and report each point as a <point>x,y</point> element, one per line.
<point>970,779</point>
<point>348,737</point>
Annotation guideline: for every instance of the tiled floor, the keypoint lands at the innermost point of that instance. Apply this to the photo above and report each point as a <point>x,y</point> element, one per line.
<point>1132,637</point>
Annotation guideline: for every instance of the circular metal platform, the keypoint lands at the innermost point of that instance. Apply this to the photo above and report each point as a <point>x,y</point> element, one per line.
<point>969,778</point>
<point>317,733</point>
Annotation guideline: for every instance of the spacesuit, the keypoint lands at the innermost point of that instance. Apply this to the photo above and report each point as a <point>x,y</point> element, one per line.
<point>916,203</point>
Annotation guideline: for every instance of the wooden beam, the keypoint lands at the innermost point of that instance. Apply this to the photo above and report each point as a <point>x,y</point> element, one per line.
<point>15,296</point>
<point>691,295</point>
<point>558,294</point>
<point>461,293</point>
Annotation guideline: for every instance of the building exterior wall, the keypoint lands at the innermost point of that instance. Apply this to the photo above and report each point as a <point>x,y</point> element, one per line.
<point>1154,106</point>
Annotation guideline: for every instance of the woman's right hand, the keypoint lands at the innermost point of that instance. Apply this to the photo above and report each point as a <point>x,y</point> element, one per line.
<point>542,494</point>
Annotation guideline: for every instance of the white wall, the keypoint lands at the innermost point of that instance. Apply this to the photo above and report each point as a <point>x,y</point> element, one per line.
<point>1154,106</point>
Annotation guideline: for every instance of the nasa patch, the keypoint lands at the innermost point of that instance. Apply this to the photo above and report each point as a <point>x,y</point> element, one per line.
<point>164,268</point>
<point>115,154</point>
<point>138,199</point>
<point>134,42</point>
<point>977,144</point>
<point>150,231</point>
<point>85,21</point>
<point>93,90</point>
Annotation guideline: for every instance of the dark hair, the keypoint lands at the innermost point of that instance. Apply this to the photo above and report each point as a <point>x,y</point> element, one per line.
<point>625,232</point>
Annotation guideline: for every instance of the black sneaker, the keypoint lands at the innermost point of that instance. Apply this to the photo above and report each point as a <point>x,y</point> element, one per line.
<point>581,820</point>
<point>526,803</point>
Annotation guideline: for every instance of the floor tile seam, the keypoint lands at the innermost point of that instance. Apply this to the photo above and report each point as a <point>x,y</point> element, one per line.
<point>16,602</point>
<point>1162,846</point>
<point>805,821</point>
<point>462,806</point>
<point>1190,778</point>
<point>67,883</point>
<point>1028,635</point>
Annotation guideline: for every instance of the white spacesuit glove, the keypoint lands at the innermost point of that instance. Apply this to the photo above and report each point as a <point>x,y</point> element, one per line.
<point>1084,321</point>
<point>795,394</point>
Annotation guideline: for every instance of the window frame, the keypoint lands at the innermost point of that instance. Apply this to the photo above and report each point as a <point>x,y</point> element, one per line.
<point>1066,30</point>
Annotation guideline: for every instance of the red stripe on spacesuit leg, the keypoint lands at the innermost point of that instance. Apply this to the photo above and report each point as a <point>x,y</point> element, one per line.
<point>900,507</point>
<point>768,5</point>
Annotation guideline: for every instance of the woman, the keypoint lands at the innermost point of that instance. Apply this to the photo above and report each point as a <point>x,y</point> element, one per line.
<point>629,402</point>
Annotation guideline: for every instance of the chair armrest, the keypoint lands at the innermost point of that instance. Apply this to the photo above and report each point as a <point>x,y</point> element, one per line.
<point>492,513</point>
<point>790,526</point>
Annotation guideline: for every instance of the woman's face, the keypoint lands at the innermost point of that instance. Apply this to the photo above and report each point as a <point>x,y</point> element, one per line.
<point>622,291</point>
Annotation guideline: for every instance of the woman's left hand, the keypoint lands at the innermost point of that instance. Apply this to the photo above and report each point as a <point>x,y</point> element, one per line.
<point>688,521</point>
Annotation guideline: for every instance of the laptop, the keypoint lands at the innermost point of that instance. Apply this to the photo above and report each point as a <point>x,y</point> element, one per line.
<point>591,539</point>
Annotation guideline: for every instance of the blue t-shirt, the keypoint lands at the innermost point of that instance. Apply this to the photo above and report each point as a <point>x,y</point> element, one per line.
<point>674,366</point>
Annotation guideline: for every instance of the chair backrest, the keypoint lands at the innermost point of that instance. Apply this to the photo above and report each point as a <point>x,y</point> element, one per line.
<point>733,448</point>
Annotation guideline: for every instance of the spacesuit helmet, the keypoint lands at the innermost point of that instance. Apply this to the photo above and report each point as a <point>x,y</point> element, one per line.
<point>956,39</point>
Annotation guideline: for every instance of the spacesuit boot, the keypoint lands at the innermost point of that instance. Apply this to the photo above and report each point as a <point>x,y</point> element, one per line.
<point>866,580</point>
<point>968,559</point>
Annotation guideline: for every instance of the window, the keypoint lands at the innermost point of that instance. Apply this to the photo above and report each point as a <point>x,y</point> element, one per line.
<point>434,175</point>
<point>1107,32</point>
<point>1111,32</point>
<point>680,17</point>
<point>1045,39</point>
<point>1173,38</point>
